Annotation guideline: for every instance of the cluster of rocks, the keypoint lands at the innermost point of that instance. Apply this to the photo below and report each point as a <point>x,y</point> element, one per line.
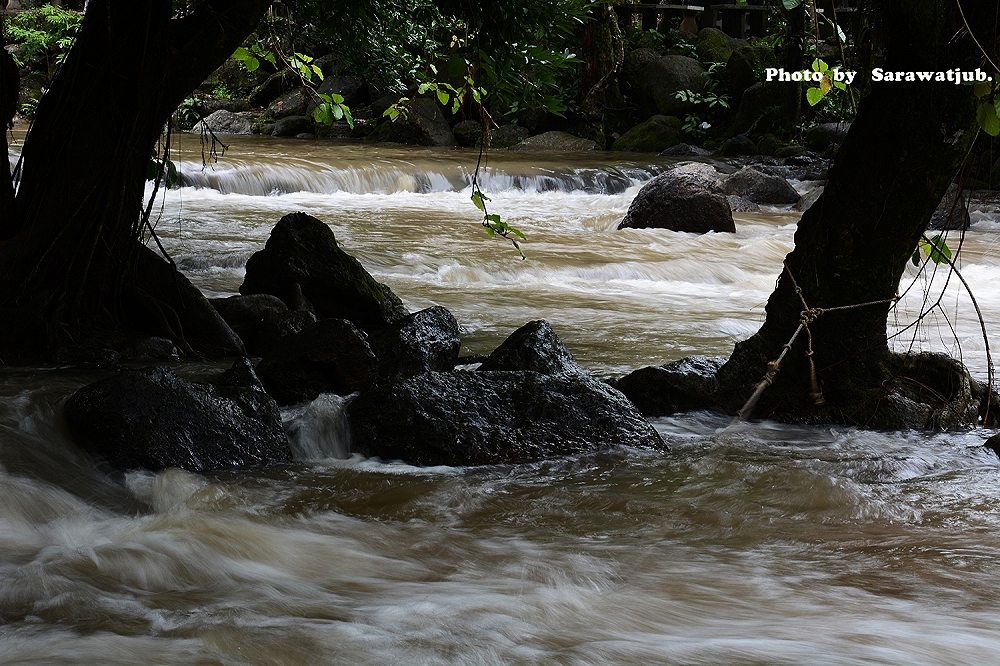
<point>320,324</point>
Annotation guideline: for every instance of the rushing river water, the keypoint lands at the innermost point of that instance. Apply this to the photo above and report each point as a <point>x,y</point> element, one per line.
<point>754,543</point>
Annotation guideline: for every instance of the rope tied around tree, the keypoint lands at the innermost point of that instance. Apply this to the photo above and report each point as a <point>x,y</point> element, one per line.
<point>807,316</point>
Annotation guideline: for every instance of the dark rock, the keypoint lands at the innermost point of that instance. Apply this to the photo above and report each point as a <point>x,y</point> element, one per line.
<point>272,88</point>
<point>261,320</point>
<point>533,347</point>
<point>303,266</point>
<point>508,135</point>
<point>952,213</point>
<point>685,150</point>
<point>421,124</point>
<point>331,356</point>
<point>823,136</point>
<point>425,341</point>
<point>293,126</point>
<point>650,136</point>
<point>151,349</point>
<point>293,103</point>
<point>226,122</point>
<point>650,81</point>
<point>714,45</point>
<point>555,141</point>
<point>164,293</point>
<point>665,389</point>
<point>468,133</point>
<point>746,66</point>
<point>738,145</point>
<point>759,110</point>
<point>809,198</point>
<point>207,107</point>
<point>698,174</point>
<point>153,419</point>
<point>759,187</point>
<point>483,418</point>
<point>993,444</point>
<point>669,202</point>
<point>354,90</point>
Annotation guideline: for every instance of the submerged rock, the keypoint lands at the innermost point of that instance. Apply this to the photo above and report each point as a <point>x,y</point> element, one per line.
<point>303,265</point>
<point>330,356</point>
<point>483,418</point>
<point>153,419</point>
<point>689,383</point>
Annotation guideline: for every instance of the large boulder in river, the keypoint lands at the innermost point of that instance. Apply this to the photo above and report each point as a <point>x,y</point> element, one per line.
<point>665,389</point>
<point>261,320</point>
<point>483,418</point>
<point>303,265</point>
<point>331,356</point>
<point>425,341</point>
<point>759,187</point>
<point>673,202</point>
<point>153,419</point>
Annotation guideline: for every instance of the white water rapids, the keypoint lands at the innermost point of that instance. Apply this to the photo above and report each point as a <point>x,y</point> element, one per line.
<point>758,544</point>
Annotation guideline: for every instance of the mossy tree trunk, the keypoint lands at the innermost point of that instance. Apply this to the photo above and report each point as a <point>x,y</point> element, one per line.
<point>852,245</point>
<point>69,253</point>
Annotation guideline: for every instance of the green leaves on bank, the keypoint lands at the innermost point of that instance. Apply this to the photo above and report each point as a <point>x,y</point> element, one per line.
<point>988,107</point>
<point>814,95</point>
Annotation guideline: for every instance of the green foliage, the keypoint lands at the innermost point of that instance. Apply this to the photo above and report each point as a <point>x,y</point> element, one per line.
<point>934,248</point>
<point>250,57</point>
<point>815,94</point>
<point>46,32</point>
<point>494,225</point>
<point>332,108</point>
<point>988,107</point>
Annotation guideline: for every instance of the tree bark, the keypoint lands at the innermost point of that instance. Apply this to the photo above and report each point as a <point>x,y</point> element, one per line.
<point>852,245</point>
<point>72,244</point>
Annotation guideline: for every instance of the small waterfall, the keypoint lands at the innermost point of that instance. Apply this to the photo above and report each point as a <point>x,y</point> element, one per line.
<point>393,177</point>
<point>319,429</point>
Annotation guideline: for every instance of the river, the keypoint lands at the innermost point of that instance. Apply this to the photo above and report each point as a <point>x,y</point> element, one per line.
<point>755,543</point>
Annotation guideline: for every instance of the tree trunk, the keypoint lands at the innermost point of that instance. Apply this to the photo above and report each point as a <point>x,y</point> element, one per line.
<point>72,245</point>
<point>852,245</point>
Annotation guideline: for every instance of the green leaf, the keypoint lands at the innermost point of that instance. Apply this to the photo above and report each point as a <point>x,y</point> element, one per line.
<point>938,250</point>
<point>338,111</point>
<point>915,259</point>
<point>791,4</point>
<point>981,89</point>
<point>814,96</point>
<point>478,198</point>
<point>987,117</point>
<point>840,85</point>
<point>456,105</point>
<point>348,117</point>
<point>820,66</point>
<point>321,115</point>
<point>319,72</point>
<point>443,97</point>
<point>424,87</point>
<point>494,218</point>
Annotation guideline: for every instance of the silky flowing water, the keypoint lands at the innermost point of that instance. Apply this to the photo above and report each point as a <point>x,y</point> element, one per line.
<point>751,543</point>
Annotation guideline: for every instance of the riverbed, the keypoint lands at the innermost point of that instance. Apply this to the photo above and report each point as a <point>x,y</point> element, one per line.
<point>754,543</point>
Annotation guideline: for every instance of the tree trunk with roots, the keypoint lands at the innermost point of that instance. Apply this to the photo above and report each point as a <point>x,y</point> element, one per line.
<point>72,264</point>
<point>851,247</point>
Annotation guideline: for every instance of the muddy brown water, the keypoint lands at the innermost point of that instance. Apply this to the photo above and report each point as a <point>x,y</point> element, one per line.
<point>756,543</point>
